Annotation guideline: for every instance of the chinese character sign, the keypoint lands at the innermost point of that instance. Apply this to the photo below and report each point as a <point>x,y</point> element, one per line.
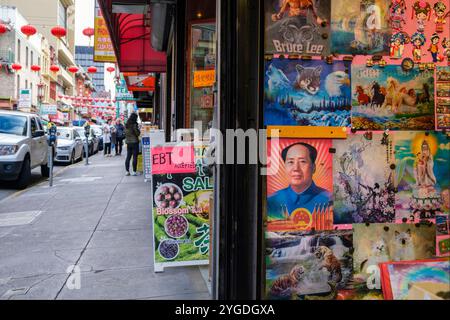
<point>103,48</point>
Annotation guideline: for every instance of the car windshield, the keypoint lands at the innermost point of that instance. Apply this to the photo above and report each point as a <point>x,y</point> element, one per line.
<point>64,133</point>
<point>13,124</point>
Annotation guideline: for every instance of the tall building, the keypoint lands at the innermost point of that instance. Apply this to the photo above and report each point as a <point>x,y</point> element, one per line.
<point>16,48</point>
<point>44,15</point>
<point>84,57</point>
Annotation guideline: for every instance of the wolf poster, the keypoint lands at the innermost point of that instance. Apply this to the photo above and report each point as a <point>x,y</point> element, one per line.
<point>300,188</point>
<point>307,263</point>
<point>297,27</point>
<point>363,181</point>
<point>390,98</point>
<point>360,27</point>
<point>307,93</point>
<point>378,243</point>
<point>422,175</point>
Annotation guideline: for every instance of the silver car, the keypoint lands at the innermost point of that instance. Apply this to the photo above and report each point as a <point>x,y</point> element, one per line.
<point>70,145</point>
<point>92,140</point>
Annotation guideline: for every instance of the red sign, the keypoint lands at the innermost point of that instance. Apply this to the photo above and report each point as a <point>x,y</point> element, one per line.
<point>173,159</point>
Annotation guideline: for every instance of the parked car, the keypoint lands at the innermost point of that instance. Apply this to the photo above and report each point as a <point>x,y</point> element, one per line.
<point>23,147</point>
<point>92,140</point>
<point>99,134</point>
<point>69,146</point>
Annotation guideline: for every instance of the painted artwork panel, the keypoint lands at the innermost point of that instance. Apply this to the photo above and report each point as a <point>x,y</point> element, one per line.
<point>422,175</point>
<point>378,243</point>
<point>307,263</point>
<point>360,27</point>
<point>431,277</point>
<point>363,181</point>
<point>296,27</point>
<point>307,93</point>
<point>299,187</point>
<point>390,98</point>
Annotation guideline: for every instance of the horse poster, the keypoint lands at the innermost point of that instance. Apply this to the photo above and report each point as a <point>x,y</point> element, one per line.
<point>307,93</point>
<point>297,27</point>
<point>390,98</point>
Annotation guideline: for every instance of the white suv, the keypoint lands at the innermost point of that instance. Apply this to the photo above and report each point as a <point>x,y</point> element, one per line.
<point>23,147</point>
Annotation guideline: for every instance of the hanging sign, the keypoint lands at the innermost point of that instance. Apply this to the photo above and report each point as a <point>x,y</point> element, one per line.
<point>103,48</point>
<point>181,209</point>
<point>170,159</point>
<point>204,78</point>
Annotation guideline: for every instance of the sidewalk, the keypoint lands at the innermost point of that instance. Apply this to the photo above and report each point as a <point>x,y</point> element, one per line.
<point>93,217</point>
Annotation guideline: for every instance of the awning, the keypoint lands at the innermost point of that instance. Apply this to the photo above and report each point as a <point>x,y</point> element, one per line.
<point>130,33</point>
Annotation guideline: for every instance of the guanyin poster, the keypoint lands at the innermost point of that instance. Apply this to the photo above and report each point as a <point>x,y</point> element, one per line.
<point>422,174</point>
<point>360,27</point>
<point>307,93</point>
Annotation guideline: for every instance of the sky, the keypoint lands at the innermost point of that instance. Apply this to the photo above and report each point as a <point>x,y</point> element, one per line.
<point>84,17</point>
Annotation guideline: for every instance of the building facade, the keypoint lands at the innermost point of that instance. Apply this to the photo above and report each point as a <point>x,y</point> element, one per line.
<point>84,57</point>
<point>16,48</point>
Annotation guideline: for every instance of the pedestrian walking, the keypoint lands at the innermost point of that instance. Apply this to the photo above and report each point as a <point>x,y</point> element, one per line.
<point>112,128</point>
<point>120,136</point>
<point>107,139</point>
<point>132,134</point>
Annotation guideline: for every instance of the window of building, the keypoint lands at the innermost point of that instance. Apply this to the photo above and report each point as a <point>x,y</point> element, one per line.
<point>62,16</point>
<point>26,84</point>
<point>26,57</point>
<point>32,58</point>
<point>18,51</point>
<point>18,86</point>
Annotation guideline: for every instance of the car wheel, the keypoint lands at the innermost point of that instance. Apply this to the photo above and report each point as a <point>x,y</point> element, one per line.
<point>25,174</point>
<point>72,157</point>
<point>45,171</point>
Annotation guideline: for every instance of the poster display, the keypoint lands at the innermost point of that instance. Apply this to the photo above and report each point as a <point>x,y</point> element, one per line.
<point>297,27</point>
<point>307,93</point>
<point>360,27</point>
<point>181,210</point>
<point>422,175</point>
<point>300,193</point>
<point>362,194</point>
<point>103,48</point>
<point>391,98</point>
<point>443,98</point>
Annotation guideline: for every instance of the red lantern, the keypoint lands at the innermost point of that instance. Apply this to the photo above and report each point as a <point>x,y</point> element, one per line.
<point>3,28</point>
<point>73,69</point>
<point>88,32</point>
<point>28,30</point>
<point>58,32</point>
<point>92,69</point>
<point>110,69</point>
<point>54,68</point>
<point>16,66</point>
<point>35,68</point>
<point>60,96</point>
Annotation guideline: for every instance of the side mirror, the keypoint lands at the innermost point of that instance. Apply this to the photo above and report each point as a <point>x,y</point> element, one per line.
<point>38,133</point>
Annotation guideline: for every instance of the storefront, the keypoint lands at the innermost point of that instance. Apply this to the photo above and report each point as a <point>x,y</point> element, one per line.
<point>322,83</point>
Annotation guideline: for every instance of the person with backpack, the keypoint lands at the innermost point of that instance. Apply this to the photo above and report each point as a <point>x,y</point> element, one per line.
<point>120,136</point>
<point>132,134</point>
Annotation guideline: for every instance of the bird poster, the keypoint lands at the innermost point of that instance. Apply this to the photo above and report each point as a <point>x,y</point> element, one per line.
<point>422,175</point>
<point>307,93</point>
<point>391,98</point>
<point>363,179</point>
<point>360,27</point>
<point>297,27</point>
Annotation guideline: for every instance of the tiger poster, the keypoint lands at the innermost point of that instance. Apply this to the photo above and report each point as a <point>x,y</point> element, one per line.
<point>300,188</point>
<point>297,27</point>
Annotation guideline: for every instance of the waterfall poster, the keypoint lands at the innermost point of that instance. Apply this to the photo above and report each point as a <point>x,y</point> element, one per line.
<point>297,27</point>
<point>363,181</point>
<point>307,263</point>
<point>299,185</point>
<point>360,27</point>
<point>390,98</point>
<point>422,175</point>
<point>307,93</point>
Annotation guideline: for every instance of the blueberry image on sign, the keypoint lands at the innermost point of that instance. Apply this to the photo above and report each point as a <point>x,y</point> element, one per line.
<point>168,249</point>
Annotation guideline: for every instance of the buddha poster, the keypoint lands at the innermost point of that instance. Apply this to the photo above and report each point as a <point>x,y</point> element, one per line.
<point>422,175</point>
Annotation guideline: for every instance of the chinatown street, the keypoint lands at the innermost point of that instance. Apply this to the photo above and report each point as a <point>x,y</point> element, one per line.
<point>87,237</point>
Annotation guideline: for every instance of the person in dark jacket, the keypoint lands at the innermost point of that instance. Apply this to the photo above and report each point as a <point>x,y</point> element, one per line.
<point>120,136</point>
<point>132,134</point>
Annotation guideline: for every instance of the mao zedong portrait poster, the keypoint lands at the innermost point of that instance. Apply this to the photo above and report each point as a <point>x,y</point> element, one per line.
<point>299,186</point>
